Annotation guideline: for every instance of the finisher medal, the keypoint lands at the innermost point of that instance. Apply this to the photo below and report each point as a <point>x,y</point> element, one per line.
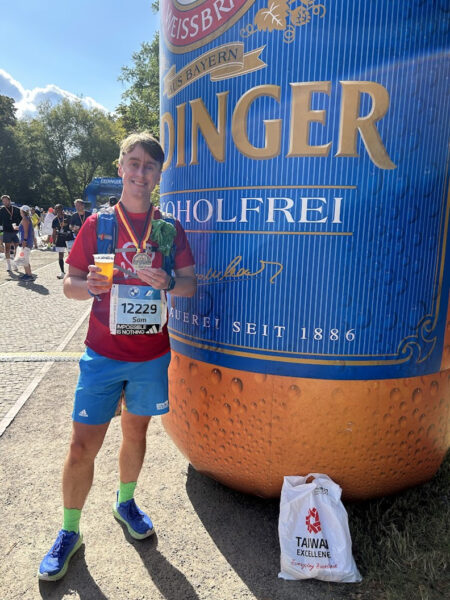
<point>141,260</point>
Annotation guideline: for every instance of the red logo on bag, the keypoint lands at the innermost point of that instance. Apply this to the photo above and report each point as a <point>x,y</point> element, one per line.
<point>312,521</point>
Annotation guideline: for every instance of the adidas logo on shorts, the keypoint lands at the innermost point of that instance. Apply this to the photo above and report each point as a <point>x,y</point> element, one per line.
<point>83,413</point>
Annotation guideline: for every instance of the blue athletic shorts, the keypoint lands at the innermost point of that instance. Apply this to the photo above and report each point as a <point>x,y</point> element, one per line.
<point>102,380</point>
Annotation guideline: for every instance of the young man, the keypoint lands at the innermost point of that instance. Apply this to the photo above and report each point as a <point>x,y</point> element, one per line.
<point>114,361</point>
<point>9,217</point>
<point>61,235</point>
<point>77,220</point>
<point>79,217</point>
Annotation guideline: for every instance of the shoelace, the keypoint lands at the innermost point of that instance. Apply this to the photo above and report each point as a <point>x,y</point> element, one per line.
<point>61,541</point>
<point>134,511</point>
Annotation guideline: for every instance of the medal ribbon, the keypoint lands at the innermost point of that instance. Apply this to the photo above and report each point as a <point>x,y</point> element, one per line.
<point>139,242</point>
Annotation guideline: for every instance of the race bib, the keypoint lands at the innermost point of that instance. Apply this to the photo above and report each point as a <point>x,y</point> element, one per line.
<point>136,310</point>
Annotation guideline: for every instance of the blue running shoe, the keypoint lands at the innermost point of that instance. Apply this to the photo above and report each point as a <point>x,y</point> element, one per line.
<point>56,562</point>
<point>139,524</point>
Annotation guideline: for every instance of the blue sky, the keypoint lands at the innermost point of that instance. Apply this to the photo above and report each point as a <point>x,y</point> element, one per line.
<point>55,48</point>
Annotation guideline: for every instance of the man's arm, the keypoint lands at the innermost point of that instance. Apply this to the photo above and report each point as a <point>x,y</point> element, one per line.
<point>185,282</point>
<point>78,283</point>
<point>26,226</point>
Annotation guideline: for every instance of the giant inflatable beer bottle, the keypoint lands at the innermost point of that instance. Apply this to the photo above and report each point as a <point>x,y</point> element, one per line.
<point>307,158</point>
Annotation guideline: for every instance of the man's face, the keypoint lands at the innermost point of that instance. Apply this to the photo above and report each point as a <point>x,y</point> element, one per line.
<point>6,201</point>
<point>140,173</point>
<point>79,207</point>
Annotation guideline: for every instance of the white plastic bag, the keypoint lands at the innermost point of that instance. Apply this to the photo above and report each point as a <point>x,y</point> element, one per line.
<point>313,528</point>
<point>22,256</point>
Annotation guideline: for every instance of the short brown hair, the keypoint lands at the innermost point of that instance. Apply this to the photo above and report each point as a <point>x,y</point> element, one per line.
<point>147,141</point>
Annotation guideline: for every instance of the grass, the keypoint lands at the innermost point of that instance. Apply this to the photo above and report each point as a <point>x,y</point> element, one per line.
<point>401,543</point>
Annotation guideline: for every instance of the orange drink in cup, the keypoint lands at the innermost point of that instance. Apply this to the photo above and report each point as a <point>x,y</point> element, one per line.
<point>105,262</point>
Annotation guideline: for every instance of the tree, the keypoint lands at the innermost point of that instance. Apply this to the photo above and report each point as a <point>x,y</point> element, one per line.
<point>51,158</point>
<point>7,113</point>
<point>43,188</point>
<point>10,159</point>
<point>140,106</point>
<point>16,178</point>
<point>76,144</point>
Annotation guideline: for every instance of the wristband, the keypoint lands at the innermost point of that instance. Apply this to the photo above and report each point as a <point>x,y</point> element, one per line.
<point>170,285</point>
<point>94,296</point>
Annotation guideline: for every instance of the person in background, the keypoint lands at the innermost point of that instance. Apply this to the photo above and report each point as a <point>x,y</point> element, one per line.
<point>113,200</point>
<point>79,217</point>
<point>35,222</point>
<point>47,229</point>
<point>9,216</point>
<point>61,234</point>
<point>2,247</point>
<point>77,220</point>
<point>26,239</point>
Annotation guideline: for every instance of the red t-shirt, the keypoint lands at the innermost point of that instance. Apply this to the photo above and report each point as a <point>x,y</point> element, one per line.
<point>133,348</point>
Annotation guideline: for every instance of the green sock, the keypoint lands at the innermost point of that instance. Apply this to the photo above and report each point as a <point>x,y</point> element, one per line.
<point>126,491</point>
<point>72,518</point>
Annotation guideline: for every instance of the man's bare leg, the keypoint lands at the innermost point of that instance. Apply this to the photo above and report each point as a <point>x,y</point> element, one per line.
<point>131,458</point>
<point>77,480</point>
<point>78,471</point>
<point>134,444</point>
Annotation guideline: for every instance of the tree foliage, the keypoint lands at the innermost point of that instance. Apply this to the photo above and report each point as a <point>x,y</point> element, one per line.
<point>14,178</point>
<point>78,144</point>
<point>10,159</point>
<point>7,113</point>
<point>52,157</point>
<point>139,108</point>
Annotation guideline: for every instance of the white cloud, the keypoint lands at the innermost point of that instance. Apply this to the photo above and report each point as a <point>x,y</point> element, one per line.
<point>26,101</point>
<point>10,87</point>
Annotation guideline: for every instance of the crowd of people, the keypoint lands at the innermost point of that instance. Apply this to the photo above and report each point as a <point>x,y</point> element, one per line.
<point>24,228</point>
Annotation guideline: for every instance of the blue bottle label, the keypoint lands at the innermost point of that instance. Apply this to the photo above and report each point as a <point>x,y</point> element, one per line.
<point>307,159</point>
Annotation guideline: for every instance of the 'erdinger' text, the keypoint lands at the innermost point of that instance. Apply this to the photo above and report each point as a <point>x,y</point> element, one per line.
<point>174,132</point>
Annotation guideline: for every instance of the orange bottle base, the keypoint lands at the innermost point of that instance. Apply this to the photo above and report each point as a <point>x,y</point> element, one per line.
<point>247,430</point>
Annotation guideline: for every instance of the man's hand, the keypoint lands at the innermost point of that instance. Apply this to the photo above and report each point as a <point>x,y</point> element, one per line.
<point>185,280</point>
<point>157,278</point>
<point>97,283</point>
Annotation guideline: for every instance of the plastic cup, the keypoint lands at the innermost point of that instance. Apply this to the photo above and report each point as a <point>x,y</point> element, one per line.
<point>105,262</point>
